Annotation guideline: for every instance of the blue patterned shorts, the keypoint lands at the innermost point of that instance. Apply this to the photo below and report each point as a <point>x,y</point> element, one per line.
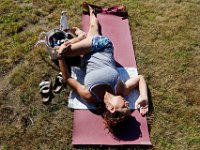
<point>101,43</point>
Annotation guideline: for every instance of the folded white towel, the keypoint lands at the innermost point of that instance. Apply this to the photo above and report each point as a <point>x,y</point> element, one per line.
<point>75,102</point>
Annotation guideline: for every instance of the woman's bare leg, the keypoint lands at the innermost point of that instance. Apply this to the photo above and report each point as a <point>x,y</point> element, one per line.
<point>83,46</point>
<point>94,23</point>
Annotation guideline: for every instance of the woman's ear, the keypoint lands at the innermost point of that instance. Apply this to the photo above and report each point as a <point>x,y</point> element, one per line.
<point>112,109</point>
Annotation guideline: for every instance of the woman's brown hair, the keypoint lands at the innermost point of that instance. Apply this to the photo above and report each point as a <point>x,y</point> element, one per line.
<point>113,120</point>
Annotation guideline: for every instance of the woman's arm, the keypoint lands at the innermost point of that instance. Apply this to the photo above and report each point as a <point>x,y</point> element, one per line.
<point>81,90</point>
<point>142,101</point>
<point>134,82</point>
<point>84,46</point>
<point>75,49</point>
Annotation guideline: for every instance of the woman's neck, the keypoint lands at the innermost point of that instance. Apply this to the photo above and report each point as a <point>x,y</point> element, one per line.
<point>101,91</point>
<point>107,96</point>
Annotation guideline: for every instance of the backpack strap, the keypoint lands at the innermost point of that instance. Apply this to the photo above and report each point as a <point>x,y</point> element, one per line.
<point>40,40</point>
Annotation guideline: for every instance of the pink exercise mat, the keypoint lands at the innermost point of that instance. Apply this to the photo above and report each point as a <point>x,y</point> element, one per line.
<point>88,127</point>
<point>117,30</point>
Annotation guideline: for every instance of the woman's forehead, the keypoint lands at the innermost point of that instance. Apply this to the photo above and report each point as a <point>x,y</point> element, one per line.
<point>120,98</point>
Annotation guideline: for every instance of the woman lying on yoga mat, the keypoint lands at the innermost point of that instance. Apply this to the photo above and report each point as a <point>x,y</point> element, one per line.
<point>101,83</point>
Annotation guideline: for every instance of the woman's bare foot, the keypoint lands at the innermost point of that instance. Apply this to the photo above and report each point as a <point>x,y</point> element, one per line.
<point>78,32</point>
<point>85,6</point>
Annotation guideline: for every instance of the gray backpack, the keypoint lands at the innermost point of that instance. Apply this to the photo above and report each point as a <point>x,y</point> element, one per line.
<point>53,39</point>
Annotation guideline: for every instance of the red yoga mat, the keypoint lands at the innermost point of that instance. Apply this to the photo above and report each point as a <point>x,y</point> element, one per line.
<point>117,30</point>
<point>88,127</point>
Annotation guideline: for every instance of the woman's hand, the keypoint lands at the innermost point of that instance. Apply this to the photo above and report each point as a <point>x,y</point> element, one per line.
<point>63,48</point>
<point>142,105</point>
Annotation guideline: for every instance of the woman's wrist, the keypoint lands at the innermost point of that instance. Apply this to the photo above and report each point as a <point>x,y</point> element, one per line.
<point>60,56</point>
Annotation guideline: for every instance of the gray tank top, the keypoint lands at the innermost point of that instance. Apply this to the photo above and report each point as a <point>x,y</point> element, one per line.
<point>100,64</point>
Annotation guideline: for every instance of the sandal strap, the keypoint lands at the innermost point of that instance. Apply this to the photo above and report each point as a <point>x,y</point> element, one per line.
<point>44,83</point>
<point>45,89</point>
<point>60,79</point>
<point>59,82</point>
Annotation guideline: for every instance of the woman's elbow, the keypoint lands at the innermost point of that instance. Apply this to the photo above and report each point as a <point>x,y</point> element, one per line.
<point>86,95</point>
<point>141,77</point>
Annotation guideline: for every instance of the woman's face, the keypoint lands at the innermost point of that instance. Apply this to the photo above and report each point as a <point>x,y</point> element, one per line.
<point>117,102</point>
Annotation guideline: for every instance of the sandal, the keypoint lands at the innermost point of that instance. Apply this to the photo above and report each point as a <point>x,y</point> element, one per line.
<point>59,83</point>
<point>46,89</point>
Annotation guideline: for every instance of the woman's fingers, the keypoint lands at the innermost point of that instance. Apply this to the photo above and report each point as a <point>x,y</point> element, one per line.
<point>142,105</point>
<point>137,103</point>
<point>67,43</point>
<point>64,47</point>
<point>56,47</point>
<point>144,110</point>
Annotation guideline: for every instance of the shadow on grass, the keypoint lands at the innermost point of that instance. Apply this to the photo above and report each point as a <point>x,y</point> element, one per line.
<point>151,110</point>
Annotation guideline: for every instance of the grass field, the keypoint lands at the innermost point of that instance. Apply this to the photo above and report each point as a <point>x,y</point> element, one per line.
<point>166,35</point>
